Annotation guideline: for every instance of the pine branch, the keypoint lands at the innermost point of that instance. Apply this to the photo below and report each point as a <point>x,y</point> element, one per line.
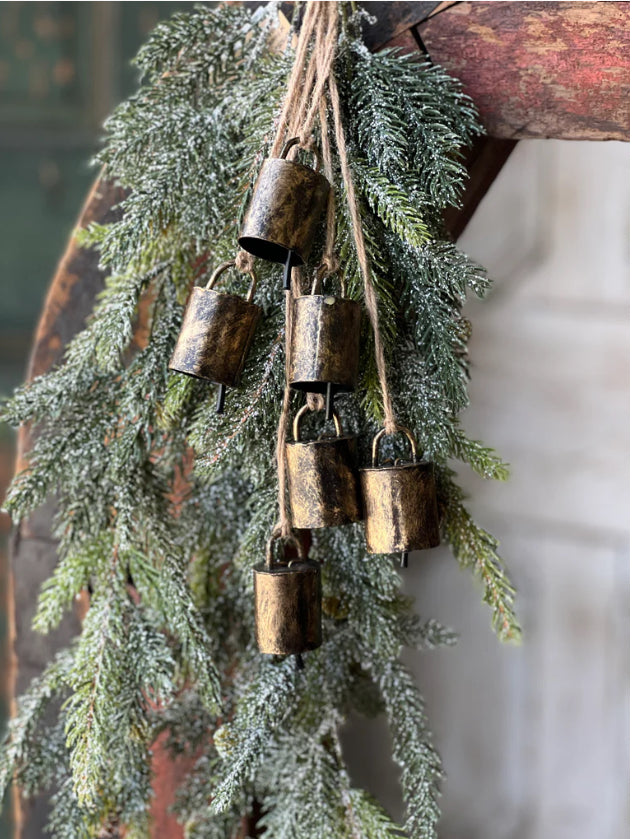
<point>476,549</point>
<point>412,748</point>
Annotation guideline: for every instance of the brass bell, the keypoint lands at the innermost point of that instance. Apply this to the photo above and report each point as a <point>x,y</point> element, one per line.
<point>324,355</point>
<point>400,504</point>
<point>286,207</point>
<point>288,603</point>
<point>216,334</point>
<point>322,478</point>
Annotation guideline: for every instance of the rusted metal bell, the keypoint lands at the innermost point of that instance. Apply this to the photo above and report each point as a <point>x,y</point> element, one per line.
<point>322,478</point>
<point>216,334</point>
<point>287,204</point>
<point>324,355</point>
<point>288,603</point>
<point>400,504</point>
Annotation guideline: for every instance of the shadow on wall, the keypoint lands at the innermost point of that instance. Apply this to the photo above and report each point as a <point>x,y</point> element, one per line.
<point>533,737</point>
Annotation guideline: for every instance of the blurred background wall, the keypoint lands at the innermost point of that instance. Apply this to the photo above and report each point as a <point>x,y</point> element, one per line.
<point>534,738</point>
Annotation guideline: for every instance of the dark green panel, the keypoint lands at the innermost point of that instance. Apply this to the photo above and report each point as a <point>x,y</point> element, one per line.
<point>44,63</point>
<point>62,68</point>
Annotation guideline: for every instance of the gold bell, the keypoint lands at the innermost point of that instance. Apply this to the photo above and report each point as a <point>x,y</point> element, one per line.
<point>322,478</point>
<point>324,355</point>
<point>288,603</point>
<point>216,334</point>
<point>287,204</point>
<point>400,504</point>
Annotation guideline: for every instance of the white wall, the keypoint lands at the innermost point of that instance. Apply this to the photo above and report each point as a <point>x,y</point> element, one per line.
<point>535,738</point>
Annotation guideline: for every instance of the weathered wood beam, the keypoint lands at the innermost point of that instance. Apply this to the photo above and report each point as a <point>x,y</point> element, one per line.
<point>538,69</point>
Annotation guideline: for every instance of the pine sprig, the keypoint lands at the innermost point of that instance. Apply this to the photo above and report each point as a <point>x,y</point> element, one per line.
<point>475,548</point>
<point>413,750</point>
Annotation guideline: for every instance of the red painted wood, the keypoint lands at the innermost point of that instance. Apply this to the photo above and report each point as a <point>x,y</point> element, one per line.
<point>539,69</point>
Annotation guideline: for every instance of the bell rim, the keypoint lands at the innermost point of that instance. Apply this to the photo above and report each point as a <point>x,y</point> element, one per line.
<point>400,466</point>
<point>410,547</point>
<point>305,648</point>
<point>245,241</point>
<point>308,386</point>
<point>279,568</point>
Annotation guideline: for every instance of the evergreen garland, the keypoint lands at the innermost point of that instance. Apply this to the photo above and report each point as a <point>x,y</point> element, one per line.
<point>115,432</point>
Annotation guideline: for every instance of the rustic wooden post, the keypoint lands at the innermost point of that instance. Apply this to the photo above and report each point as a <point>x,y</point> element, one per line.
<point>534,69</point>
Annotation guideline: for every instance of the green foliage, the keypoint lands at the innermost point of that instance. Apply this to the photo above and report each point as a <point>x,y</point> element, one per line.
<point>164,506</point>
<point>475,548</point>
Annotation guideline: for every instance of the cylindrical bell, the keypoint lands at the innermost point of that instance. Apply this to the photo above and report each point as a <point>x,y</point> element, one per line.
<point>400,504</point>
<point>286,207</point>
<point>322,478</point>
<point>324,356</point>
<point>288,604</point>
<point>216,334</point>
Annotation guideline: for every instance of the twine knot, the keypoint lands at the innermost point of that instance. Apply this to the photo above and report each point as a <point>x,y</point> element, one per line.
<point>244,262</point>
<point>315,401</point>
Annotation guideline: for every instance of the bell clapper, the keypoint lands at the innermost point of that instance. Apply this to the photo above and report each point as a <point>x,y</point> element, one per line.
<point>220,402</point>
<point>286,281</point>
<point>329,401</point>
<point>299,662</point>
<point>404,559</point>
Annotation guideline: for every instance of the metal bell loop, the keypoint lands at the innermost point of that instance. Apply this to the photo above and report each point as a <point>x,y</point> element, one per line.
<point>269,554</point>
<point>225,267</point>
<point>322,274</point>
<point>295,141</point>
<point>399,429</point>
<point>304,410</point>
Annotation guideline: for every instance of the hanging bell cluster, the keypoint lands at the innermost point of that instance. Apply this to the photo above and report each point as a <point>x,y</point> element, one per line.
<point>395,499</point>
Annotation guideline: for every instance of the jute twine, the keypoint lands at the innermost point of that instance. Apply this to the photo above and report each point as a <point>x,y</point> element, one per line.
<point>311,85</point>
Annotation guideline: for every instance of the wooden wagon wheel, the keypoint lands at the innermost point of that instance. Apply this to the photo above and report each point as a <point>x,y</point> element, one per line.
<point>534,69</point>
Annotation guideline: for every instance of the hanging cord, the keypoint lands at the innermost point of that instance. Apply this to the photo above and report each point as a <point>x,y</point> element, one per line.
<point>370,296</point>
<point>329,258</point>
<point>307,82</point>
<point>304,101</point>
<point>295,86</point>
<point>284,521</point>
<point>329,263</point>
<point>326,45</point>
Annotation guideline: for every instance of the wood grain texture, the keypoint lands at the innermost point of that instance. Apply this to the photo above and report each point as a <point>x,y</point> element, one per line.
<point>71,295</point>
<point>539,69</point>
